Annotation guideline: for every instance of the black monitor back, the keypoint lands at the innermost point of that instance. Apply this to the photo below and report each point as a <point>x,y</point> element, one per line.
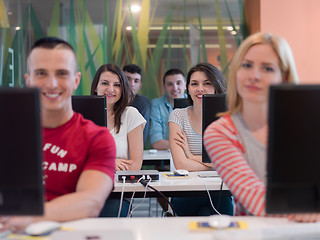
<point>212,104</point>
<point>21,183</point>
<point>180,103</point>
<point>92,107</point>
<point>293,156</point>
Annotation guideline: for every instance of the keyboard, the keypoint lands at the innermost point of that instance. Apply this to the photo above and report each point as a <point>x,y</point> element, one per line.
<point>208,174</point>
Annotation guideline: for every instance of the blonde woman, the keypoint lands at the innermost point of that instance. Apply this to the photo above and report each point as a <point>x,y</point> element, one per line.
<point>236,143</point>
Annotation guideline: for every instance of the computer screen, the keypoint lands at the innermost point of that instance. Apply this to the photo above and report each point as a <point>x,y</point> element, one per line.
<point>92,107</point>
<point>180,103</point>
<point>293,155</point>
<point>21,183</point>
<point>212,104</point>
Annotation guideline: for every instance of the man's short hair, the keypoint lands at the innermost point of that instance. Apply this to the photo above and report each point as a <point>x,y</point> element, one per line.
<point>51,43</point>
<point>172,71</point>
<point>132,68</point>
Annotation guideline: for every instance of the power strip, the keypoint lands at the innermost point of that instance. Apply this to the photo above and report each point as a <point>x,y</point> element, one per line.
<point>134,176</point>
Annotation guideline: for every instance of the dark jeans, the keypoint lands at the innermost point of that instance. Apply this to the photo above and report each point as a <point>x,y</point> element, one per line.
<point>200,206</point>
<point>111,208</point>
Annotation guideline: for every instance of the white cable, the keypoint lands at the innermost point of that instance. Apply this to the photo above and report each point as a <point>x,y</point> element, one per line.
<point>134,191</point>
<point>210,198</point>
<point>165,213</point>
<point>144,197</point>
<point>122,192</point>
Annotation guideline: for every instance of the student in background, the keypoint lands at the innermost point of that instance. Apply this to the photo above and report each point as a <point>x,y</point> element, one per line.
<point>90,149</point>
<point>142,103</point>
<point>124,122</point>
<point>174,85</point>
<point>185,137</point>
<point>236,143</point>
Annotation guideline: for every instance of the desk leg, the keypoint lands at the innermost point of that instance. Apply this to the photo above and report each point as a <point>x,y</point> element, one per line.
<point>149,207</point>
<point>169,207</point>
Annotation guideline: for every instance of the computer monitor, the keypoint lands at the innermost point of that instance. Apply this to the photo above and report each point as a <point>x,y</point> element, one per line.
<point>293,155</point>
<point>92,107</point>
<point>21,183</point>
<point>180,103</point>
<point>212,104</point>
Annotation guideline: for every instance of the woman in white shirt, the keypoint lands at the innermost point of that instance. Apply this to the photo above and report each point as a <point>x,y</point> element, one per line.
<point>125,123</point>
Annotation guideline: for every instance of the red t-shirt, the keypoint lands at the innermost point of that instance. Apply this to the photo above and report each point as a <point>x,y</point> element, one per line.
<point>70,149</point>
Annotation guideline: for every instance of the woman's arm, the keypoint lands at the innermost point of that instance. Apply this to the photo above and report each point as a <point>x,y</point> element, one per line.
<point>227,155</point>
<point>122,164</point>
<point>130,150</point>
<point>226,152</point>
<point>135,147</point>
<point>181,155</point>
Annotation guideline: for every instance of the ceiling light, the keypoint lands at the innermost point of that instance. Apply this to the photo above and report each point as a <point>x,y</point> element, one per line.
<point>18,28</point>
<point>129,28</point>
<point>135,8</point>
<point>206,28</point>
<point>187,46</point>
<point>233,32</point>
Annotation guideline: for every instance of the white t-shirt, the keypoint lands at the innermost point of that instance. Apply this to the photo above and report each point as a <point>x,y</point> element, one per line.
<point>130,119</point>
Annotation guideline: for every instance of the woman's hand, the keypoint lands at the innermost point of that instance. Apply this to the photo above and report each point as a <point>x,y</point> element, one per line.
<point>122,164</point>
<point>181,140</point>
<point>304,217</point>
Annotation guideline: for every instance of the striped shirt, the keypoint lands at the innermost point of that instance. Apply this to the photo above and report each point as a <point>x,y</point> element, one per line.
<point>226,151</point>
<point>180,116</point>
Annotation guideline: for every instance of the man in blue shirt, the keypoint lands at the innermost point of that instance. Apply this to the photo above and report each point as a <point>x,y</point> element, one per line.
<point>174,85</point>
<point>142,103</point>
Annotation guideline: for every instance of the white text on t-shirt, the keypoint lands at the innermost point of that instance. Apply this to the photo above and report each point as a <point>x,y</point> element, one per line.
<point>54,149</point>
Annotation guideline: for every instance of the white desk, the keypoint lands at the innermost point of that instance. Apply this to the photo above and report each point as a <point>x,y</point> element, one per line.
<point>174,187</point>
<point>160,157</point>
<point>178,228</point>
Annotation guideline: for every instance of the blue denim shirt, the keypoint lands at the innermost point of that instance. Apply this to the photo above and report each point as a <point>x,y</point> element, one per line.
<point>160,111</point>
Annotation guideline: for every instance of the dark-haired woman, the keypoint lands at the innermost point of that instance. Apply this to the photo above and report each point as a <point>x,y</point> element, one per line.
<point>185,138</point>
<point>125,123</point>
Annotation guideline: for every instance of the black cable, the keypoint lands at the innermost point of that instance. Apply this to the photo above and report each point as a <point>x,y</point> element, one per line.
<point>220,196</point>
<point>145,183</point>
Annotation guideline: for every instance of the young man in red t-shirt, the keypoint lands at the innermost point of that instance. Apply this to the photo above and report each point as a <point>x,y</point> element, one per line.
<point>79,157</point>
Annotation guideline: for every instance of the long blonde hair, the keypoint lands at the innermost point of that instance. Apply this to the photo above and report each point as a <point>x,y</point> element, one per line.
<point>286,61</point>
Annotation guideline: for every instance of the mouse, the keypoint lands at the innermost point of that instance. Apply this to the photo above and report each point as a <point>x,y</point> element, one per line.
<point>219,221</point>
<point>181,172</point>
<point>42,228</point>
<point>153,151</point>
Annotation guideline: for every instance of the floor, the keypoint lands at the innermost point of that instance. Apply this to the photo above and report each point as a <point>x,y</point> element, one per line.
<point>148,207</point>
